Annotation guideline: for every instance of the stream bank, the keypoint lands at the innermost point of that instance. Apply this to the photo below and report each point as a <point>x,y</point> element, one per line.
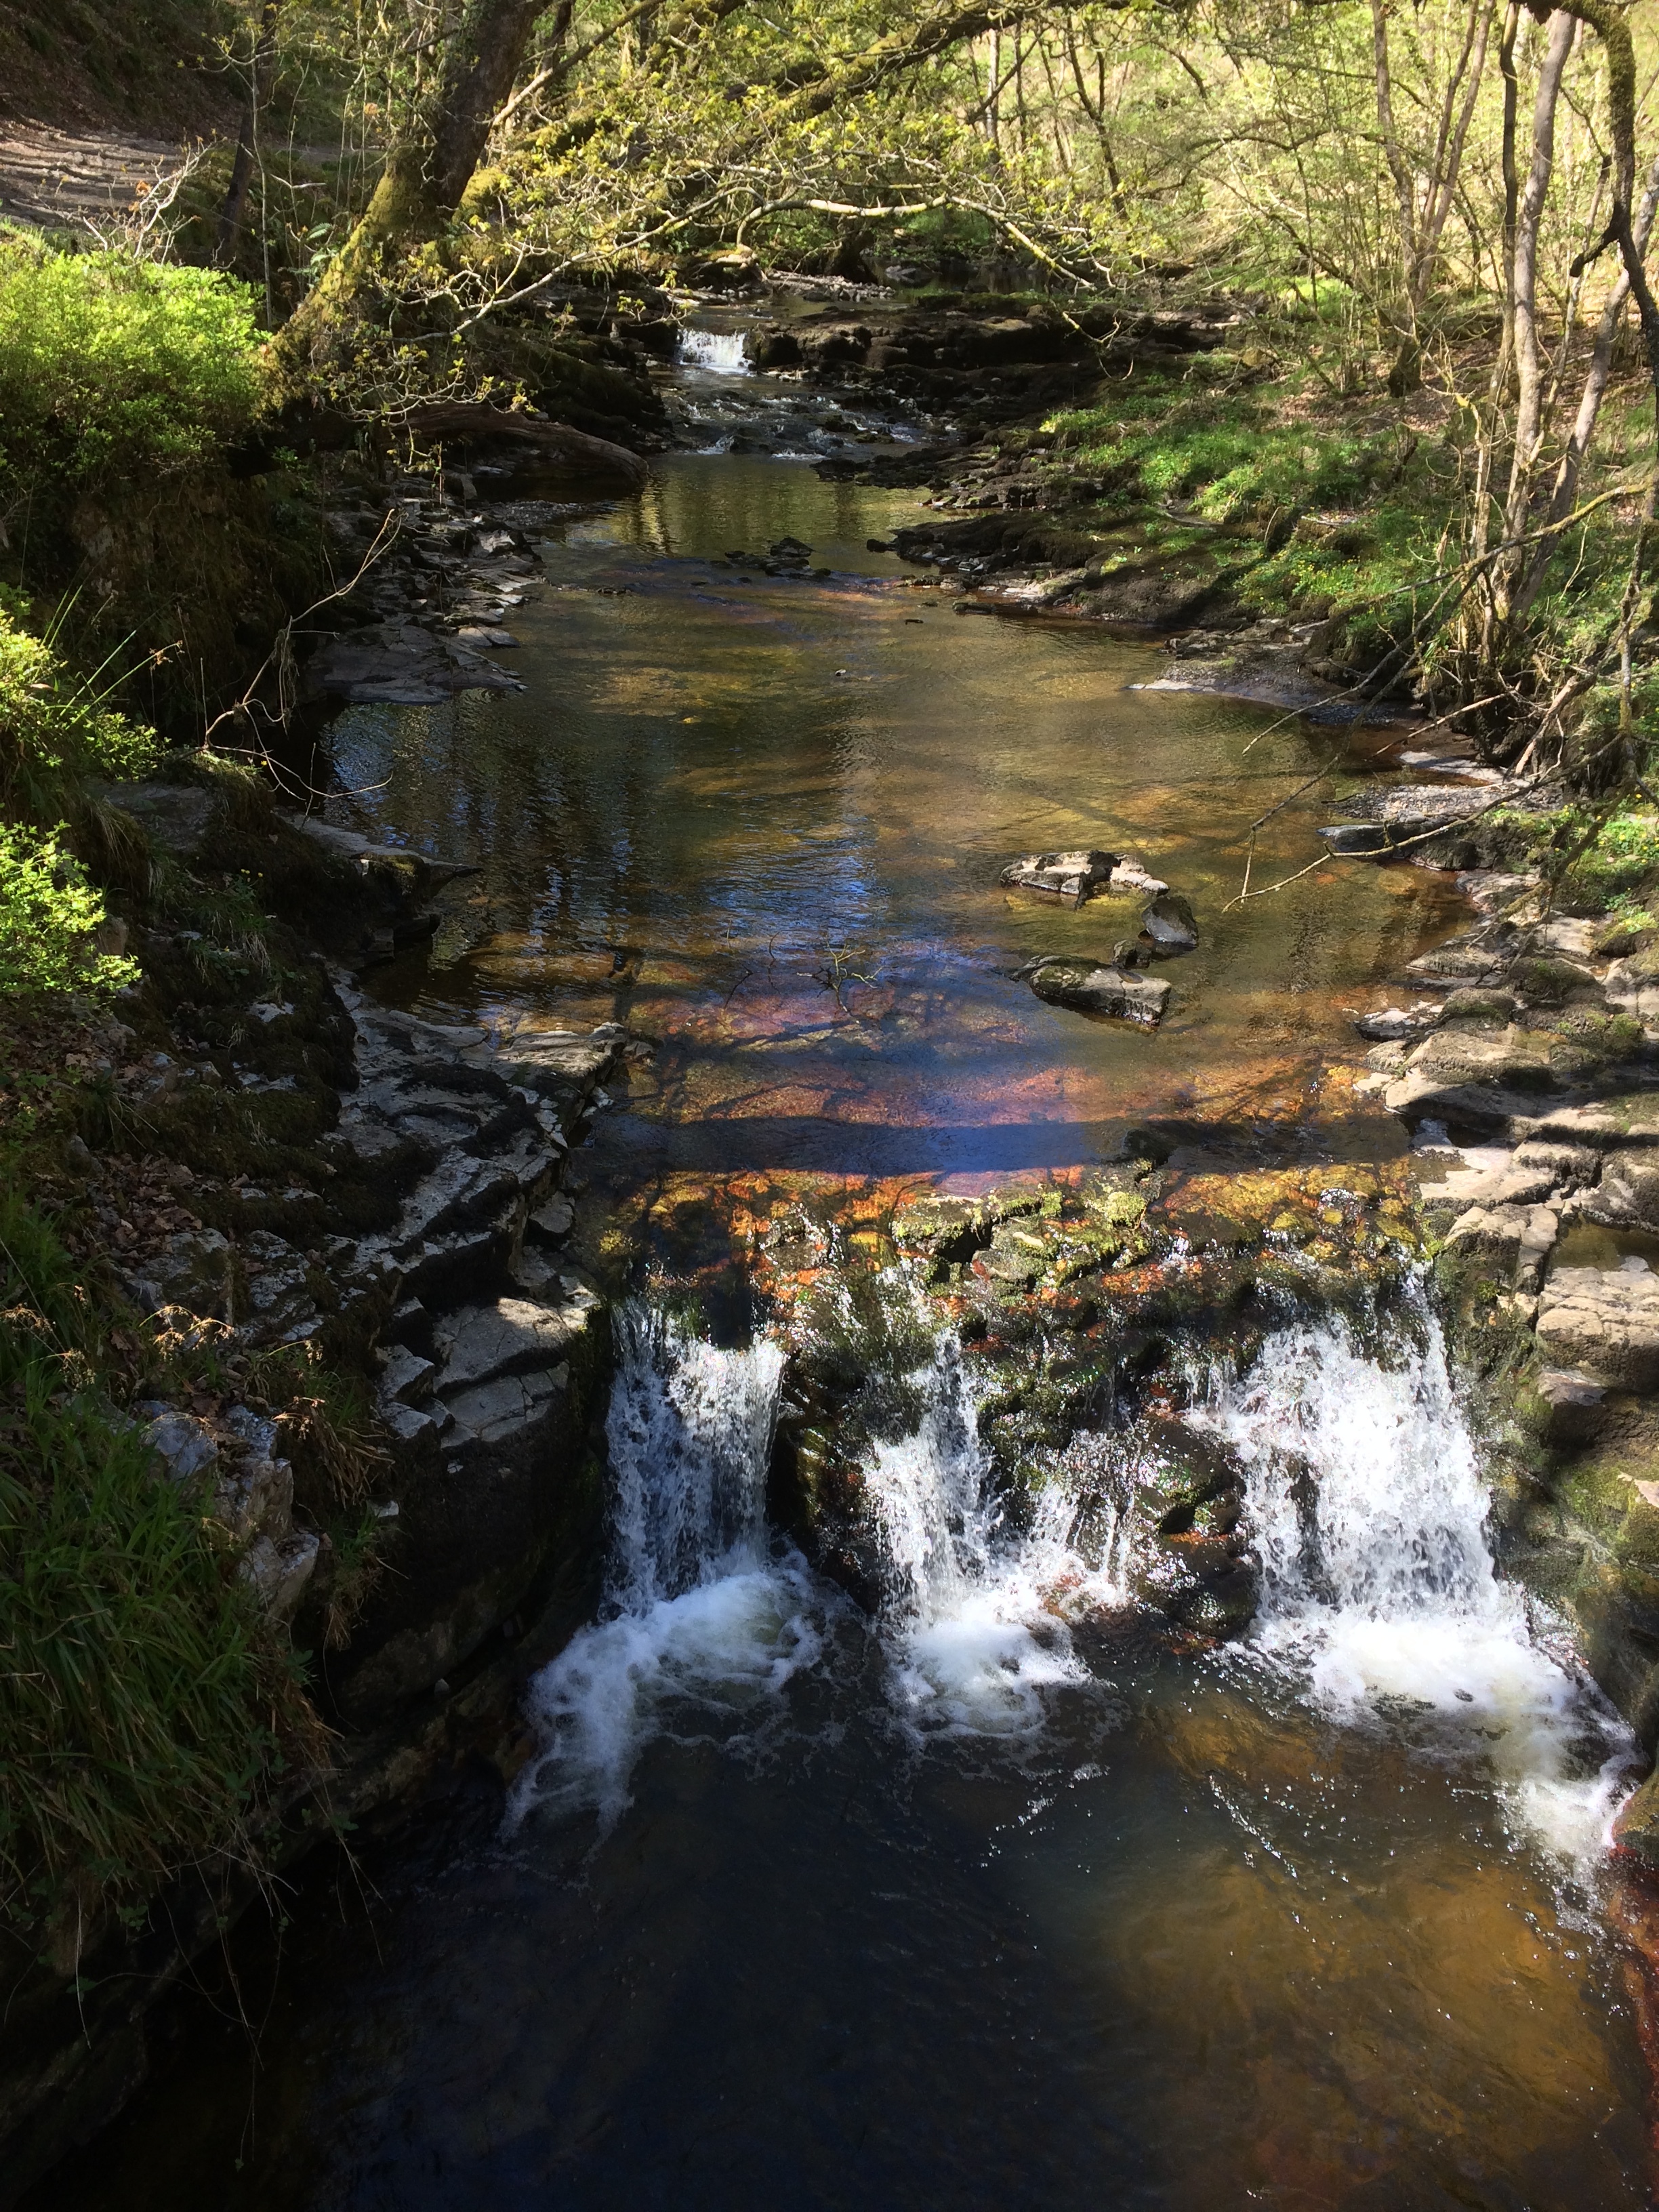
<point>788,983</point>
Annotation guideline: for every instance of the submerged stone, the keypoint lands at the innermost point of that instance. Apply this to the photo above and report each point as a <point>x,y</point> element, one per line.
<point>1117,992</point>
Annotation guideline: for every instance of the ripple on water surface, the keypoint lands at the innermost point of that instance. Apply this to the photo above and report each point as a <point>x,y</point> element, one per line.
<point>763,818</point>
<point>984,1900</point>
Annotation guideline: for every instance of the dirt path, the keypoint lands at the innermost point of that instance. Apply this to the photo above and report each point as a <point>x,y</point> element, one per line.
<point>59,179</point>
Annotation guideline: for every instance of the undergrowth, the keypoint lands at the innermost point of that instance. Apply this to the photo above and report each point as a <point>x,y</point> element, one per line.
<point>145,1707</point>
<point>108,362</point>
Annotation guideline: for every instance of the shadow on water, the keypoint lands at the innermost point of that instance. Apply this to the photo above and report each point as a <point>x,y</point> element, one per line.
<point>994,1904</point>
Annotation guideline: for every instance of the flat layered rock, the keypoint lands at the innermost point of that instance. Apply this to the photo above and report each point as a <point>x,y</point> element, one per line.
<point>1514,1240</point>
<point>1393,1024</point>
<point>510,1414</point>
<point>1388,820</point>
<point>1459,961</point>
<point>509,1336</point>
<point>1574,1403</point>
<point>548,1061</point>
<point>400,665</point>
<point>1627,1195</point>
<point>1122,994</point>
<point>1068,876</point>
<point>1480,1077</point>
<point>1609,1125</point>
<point>1604,1323</point>
<point>352,845</point>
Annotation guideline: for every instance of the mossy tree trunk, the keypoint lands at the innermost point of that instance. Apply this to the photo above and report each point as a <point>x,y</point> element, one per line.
<point>428,171</point>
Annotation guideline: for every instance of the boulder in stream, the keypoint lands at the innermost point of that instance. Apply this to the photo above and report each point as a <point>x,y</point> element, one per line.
<point>1090,988</point>
<point>1069,876</point>
<point>1170,923</point>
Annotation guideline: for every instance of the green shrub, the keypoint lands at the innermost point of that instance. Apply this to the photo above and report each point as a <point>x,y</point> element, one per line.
<point>108,363</point>
<point>48,915</point>
<point>1621,868</point>
<point>54,729</point>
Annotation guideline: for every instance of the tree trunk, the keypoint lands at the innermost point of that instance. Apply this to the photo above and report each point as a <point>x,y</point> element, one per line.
<point>429,168</point>
<point>1528,358</point>
<point>1407,373</point>
<point>261,76</point>
<point>1612,27</point>
<point>1596,378</point>
<point>1422,228</point>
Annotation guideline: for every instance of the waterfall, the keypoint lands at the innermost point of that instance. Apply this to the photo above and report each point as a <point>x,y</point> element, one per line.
<point>699,1619</point>
<point>690,1432</point>
<point>975,1641</point>
<point>721,352</point>
<point>1366,1507</point>
<point>928,1494</point>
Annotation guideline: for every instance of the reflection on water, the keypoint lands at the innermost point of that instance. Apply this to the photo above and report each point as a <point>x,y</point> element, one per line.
<point>981,1903</point>
<point>1193,1946</point>
<point>762,818</point>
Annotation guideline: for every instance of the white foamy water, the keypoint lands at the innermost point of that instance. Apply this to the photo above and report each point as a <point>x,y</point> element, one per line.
<point>1367,1510</point>
<point>689,1431</point>
<point>703,1629</point>
<point>974,1627</point>
<point>718,351</point>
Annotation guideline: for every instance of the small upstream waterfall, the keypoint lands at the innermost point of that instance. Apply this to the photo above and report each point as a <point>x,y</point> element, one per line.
<point>719,352</point>
<point>699,1617</point>
<point>1367,1510</point>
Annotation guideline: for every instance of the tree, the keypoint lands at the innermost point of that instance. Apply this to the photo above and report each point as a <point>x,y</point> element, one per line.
<point>430,165</point>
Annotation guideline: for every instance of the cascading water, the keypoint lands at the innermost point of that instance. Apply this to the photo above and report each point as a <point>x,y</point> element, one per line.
<point>1367,1510</point>
<point>719,352</point>
<point>689,1431</point>
<point>700,1618</point>
<point>1366,1507</point>
<point>975,1644</point>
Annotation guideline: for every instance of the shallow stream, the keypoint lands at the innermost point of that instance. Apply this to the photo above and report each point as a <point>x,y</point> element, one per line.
<point>989,1901</point>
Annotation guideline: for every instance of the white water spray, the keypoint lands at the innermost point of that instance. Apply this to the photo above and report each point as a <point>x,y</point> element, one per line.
<point>1368,1512</point>
<point>690,1431</point>
<point>973,1626</point>
<point>703,1629</point>
<point>719,352</point>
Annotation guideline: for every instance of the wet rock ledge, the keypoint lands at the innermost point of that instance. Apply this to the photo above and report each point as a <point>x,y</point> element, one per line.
<point>1523,1057</point>
<point>348,1229</point>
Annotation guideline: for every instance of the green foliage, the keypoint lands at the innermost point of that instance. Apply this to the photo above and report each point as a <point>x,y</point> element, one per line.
<point>1335,518</point>
<point>1233,457</point>
<point>108,363</point>
<point>48,915</point>
<point>1620,868</point>
<point>137,1700</point>
<point>54,728</point>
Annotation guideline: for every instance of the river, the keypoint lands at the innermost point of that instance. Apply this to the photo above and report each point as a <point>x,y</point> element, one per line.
<point>988,1899</point>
